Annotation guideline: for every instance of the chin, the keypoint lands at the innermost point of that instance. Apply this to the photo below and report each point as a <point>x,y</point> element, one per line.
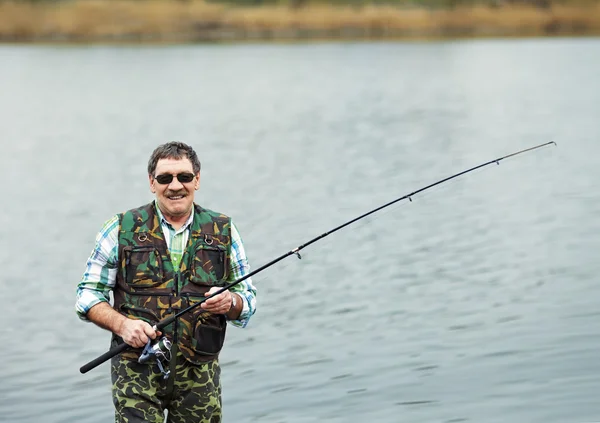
<point>181,209</point>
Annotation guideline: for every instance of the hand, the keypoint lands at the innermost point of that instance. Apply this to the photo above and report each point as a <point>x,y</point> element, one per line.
<point>137,332</point>
<point>219,304</point>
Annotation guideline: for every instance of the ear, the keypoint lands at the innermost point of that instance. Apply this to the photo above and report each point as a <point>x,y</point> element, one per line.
<point>151,181</point>
<point>197,186</point>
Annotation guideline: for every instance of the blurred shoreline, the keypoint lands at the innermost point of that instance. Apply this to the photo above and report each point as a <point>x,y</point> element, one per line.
<point>160,21</point>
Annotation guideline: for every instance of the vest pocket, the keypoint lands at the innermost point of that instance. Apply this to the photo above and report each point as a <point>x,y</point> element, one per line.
<point>208,334</point>
<point>202,335</point>
<point>209,265</point>
<point>143,267</point>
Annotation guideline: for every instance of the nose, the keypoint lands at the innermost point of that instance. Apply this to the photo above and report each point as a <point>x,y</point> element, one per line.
<point>175,185</point>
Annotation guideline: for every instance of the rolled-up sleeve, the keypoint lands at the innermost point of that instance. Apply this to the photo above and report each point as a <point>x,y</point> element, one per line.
<point>101,270</point>
<point>239,268</point>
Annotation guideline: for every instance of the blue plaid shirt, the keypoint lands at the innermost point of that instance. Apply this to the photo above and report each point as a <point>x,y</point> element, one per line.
<point>101,268</point>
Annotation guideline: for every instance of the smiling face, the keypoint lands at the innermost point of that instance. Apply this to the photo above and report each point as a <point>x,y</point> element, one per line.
<point>175,199</point>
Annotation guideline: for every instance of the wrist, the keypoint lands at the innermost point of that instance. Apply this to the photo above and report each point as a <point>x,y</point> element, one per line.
<point>120,325</point>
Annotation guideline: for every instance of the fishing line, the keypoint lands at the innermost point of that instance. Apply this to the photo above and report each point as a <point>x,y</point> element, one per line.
<point>296,251</point>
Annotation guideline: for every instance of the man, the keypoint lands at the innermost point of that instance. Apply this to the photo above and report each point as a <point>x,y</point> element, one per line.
<point>157,260</point>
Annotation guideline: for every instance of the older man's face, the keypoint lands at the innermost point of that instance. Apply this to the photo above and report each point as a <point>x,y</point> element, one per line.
<point>174,198</point>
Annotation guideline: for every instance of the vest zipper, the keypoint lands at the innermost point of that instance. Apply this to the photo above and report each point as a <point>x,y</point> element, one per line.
<point>176,294</point>
<point>173,362</point>
<point>176,322</point>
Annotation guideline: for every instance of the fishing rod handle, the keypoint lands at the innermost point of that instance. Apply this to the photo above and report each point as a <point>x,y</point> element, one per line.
<point>122,347</point>
<point>101,359</point>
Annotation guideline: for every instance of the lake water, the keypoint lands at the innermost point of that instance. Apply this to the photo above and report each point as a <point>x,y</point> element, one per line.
<point>476,302</point>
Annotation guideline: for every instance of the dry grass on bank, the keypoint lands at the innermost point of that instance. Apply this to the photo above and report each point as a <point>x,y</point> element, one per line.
<point>91,20</point>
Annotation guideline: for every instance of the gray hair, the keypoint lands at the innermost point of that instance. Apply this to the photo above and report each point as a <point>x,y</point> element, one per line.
<point>173,150</point>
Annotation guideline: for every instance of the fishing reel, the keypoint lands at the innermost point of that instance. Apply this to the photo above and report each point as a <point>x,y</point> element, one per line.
<point>161,351</point>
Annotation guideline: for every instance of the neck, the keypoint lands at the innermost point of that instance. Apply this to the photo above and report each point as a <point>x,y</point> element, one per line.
<point>176,221</point>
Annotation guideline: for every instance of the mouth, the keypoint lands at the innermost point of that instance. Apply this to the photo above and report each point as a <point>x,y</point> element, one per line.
<point>175,197</point>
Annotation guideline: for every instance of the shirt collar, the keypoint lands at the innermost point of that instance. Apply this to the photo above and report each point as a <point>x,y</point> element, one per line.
<point>163,221</point>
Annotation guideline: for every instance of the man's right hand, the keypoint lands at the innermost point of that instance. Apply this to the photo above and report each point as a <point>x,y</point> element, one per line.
<point>136,332</point>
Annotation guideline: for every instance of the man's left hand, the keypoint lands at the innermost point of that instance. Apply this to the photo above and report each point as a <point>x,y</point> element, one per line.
<point>219,304</point>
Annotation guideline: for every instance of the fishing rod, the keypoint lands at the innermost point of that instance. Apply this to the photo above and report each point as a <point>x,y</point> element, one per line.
<point>296,251</point>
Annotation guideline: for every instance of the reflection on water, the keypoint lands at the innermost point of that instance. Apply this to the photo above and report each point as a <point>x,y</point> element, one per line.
<point>476,302</point>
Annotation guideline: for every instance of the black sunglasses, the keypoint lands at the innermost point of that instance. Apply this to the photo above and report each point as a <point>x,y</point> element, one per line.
<point>167,178</point>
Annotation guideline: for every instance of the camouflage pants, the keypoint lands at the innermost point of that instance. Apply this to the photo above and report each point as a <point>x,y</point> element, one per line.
<point>141,394</point>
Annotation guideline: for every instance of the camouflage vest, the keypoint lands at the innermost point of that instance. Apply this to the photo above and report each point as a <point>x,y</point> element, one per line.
<point>148,287</point>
